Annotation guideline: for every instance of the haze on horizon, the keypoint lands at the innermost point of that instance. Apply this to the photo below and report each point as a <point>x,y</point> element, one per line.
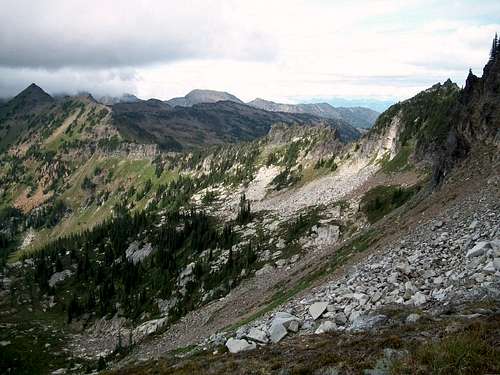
<point>369,51</point>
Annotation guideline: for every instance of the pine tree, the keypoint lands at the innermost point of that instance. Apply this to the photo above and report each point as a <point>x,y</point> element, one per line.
<point>494,48</point>
<point>497,50</point>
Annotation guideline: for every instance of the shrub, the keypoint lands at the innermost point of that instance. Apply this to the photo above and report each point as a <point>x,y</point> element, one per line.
<point>381,200</point>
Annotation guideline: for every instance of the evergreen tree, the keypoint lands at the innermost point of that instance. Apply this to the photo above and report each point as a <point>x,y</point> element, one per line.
<point>494,48</point>
<point>244,214</point>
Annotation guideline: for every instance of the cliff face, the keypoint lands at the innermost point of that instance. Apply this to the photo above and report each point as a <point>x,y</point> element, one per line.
<point>475,120</point>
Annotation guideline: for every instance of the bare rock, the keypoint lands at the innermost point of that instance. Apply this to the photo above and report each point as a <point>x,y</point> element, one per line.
<point>236,346</point>
<point>325,327</point>
<point>317,309</point>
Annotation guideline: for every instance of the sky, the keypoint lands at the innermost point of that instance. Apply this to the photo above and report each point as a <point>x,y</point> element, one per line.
<point>358,51</point>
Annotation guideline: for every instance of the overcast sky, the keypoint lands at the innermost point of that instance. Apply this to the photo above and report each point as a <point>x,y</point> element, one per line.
<point>290,50</point>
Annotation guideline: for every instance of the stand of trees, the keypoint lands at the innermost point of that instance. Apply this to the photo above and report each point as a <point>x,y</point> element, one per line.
<point>105,280</point>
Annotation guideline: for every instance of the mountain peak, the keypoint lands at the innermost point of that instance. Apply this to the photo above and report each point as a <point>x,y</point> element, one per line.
<point>198,96</point>
<point>32,96</point>
<point>33,89</point>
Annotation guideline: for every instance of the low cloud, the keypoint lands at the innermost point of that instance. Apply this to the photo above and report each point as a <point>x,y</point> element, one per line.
<point>278,50</point>
<point>69,81</point>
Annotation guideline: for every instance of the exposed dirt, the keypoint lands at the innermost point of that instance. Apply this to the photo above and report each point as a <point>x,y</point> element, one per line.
<point>26,203</point>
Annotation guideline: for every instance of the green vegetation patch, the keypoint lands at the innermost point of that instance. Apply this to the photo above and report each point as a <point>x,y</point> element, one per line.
<point>400,162</point>
<point>472,351</point>
<point>381,200</point>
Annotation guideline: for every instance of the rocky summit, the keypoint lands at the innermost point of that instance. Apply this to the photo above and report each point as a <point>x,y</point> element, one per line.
<point>203,235</point>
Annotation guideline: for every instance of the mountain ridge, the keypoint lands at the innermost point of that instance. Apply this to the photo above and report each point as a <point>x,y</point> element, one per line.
<point>357,116</point>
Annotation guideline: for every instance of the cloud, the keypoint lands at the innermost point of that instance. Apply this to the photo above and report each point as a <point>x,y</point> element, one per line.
<point>108,34</point>
<point>282,50</point>
<point>69,81</point>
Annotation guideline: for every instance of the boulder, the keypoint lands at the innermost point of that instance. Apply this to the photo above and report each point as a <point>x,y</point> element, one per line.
<point>281,263</point>
<point>257,335</point>
<point>285,319</point>
<point>59,277</point>
<point>325,327</point>
<point>376,297</point>
<point>496,264</point>
<point>419,299</point>
<point>340,318</point>
<point>479,249</point>
<point>277,332</point>
<point>147,328</point>
<point>317,309</point>
<point>403,267</point>
<point>236,346</point>
<point>412,318</point>
<point>495,245</point>
<point>367,322</point>
<point>489,268</point>
<point>292,326</point>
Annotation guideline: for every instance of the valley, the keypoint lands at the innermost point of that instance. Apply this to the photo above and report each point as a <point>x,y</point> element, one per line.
<point>212,236</point>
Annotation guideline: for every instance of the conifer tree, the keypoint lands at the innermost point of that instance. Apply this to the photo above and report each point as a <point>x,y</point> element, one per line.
<point>494,48</point>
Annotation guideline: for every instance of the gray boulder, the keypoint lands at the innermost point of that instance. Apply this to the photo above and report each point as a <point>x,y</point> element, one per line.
<point>277,332</point>
<point>340,318</point>
<point>326,326</point>
<point>287,320</point>
<point>59,277</point>
<point>236,346</point>
<point>419,299</point>
<point>412,318</point>
<point>479,249</point>
<point>257,335</point>
<point>317,309</point>
<point>367,322</point>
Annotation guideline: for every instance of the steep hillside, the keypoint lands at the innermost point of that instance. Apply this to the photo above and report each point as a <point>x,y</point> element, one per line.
<point>358,117</point>
<point>202,96</point>
<point>420,125</point>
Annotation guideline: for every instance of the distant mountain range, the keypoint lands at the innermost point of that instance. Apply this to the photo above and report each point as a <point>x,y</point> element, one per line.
<point>358,117</point>
<point>153,121</point>
<point>201,118</point>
